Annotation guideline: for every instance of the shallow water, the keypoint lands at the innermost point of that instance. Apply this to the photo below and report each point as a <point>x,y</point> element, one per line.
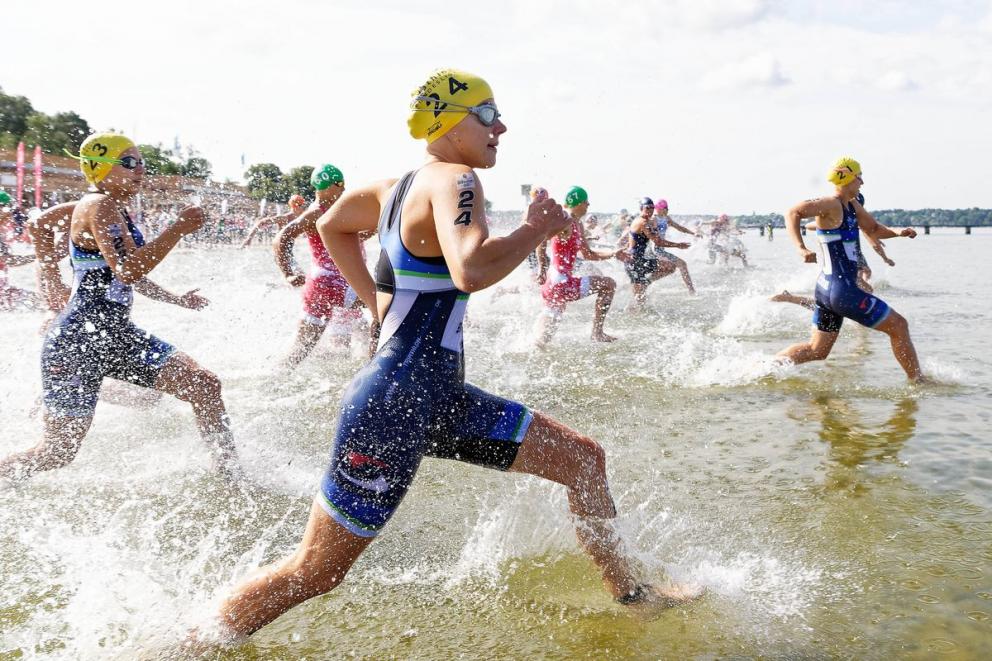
<point>831,510</point>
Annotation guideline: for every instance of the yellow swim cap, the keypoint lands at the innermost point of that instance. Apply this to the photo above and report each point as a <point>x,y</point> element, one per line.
<point>428,118</point>
<point>99,153</point>
<point>844,171</point>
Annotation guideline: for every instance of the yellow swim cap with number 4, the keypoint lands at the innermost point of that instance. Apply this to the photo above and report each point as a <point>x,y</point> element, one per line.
<point>440,103</point>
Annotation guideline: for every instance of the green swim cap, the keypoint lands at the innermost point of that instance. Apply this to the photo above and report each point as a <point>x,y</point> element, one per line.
<point>575,196</point>
<point>5,198</point>
<point>325,176</point>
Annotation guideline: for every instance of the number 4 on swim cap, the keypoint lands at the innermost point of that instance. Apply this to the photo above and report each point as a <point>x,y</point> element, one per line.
<point>455,85</point>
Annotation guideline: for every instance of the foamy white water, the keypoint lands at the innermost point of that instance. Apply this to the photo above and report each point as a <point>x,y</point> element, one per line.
<point>830,509</point>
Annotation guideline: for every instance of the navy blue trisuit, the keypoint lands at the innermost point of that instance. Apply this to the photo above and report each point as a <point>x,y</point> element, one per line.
<point>411,401</point>
<point>94,337</point>
<point>837,294</point>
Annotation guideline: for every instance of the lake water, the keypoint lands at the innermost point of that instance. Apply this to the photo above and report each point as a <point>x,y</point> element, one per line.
<point>831,510</point>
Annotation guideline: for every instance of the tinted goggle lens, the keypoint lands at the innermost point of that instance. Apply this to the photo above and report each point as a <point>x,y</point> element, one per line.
<point>487,114</point>
<point>130,162</point>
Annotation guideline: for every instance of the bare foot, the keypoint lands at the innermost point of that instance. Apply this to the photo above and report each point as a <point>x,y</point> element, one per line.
<point>652,600</point>
<point>603,337</point>
<point>784,297</point>
<point>924,380</point>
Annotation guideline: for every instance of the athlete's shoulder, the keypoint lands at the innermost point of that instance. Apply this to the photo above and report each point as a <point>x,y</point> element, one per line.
<point>445,176</point>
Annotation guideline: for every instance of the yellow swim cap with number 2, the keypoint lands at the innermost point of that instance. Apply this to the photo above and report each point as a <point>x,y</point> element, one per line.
<point>844,171</point>
<point>437,104</point>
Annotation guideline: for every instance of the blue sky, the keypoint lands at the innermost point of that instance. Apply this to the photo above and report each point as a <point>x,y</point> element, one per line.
<point>731,106</point>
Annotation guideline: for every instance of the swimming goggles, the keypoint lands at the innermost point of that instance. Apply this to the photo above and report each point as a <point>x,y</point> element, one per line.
<point>129,162</point>
<point>486,112</point>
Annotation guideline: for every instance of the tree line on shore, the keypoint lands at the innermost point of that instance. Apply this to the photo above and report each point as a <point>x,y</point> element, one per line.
<point>973,217</point>
<point>66,131</point>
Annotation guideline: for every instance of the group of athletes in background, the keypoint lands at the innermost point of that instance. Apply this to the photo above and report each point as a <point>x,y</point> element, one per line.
<point>410,400</point>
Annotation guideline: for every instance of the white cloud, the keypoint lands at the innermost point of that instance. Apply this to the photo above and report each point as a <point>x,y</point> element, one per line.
<point>722,14</point>
<point>758,71</point>
<point>897,81</point>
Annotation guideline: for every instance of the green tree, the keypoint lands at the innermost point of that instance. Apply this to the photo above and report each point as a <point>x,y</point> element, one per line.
<point>158,160</point>
<point>64,130</point>
<point>14,112</point>
<point>298,182</point>
<point>197,167</point>
<point>265,180</point>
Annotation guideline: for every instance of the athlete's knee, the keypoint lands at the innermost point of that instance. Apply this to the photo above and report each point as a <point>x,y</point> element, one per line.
<point>591,462</point>
<point>315,576</point>
<point>203,386</point>
<point>896,324</point>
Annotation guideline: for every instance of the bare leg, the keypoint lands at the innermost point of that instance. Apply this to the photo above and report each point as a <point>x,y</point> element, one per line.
<point>62,439</point>
<point>818,348</point>
<point>787,297</point>
<point>307,336</point>
<point>547,324</point>
<point>684,270</point>
<point>183,378</point>
<point>897,328</point>
<point>639,290</point>
<point>604,288</point>
<point>319,564</point>
<point>557,453</point>
<point>664,268</point>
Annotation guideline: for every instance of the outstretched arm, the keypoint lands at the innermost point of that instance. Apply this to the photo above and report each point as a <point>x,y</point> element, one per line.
<point>261,224</point>
<point>876,230</point>
<point>190,300</point>
<point>136,262</point>
<point>682,228</point>
<point>593,255</point>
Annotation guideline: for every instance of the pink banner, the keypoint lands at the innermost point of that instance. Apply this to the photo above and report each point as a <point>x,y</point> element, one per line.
<point>20,174</point>
<point>37,176</point>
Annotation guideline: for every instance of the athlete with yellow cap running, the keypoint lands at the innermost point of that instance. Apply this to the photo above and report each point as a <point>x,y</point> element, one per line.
<point>837,295</point>
<point>411,400</point>
<point>94,338</point>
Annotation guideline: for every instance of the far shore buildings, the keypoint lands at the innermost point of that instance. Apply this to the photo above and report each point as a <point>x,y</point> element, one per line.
<point>63,181</point>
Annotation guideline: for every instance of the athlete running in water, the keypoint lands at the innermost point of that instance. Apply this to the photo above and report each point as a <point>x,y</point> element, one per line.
<point>642,267</point>
<point>559,287</point>
<point>326,294</point>
<point>11,297</point>
<point>411,401</point>
<point>662,223</point>
<point>94,337</point>
<point>297,205</point>
<point>837,295</point>
<point>864,270</point>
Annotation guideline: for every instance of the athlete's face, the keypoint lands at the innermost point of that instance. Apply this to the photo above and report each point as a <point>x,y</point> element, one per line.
<point>477,143</point>
<point>330,194</point>
<point>647,212</point>
<point>852,188</point>
<point>126,177</point>
<point>580,209</point>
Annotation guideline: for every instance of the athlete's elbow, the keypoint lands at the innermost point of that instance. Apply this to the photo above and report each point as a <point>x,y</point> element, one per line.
<point>468,283</point>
